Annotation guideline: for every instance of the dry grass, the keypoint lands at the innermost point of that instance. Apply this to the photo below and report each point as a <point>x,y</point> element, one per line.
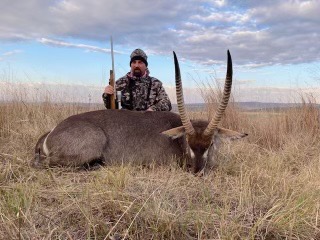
<point>265,187</point>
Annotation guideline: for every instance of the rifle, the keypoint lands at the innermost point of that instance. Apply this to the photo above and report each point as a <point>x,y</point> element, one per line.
<point>113,97</point>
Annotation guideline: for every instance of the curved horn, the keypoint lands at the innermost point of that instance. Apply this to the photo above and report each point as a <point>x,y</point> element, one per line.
<point>224,102</point>
<point>181,107</point>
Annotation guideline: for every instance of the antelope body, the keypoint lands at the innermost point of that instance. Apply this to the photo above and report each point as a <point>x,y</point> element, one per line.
<point>139,137</point>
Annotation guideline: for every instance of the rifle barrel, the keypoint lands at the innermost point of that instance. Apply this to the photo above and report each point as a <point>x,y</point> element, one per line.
<point>113,97</point>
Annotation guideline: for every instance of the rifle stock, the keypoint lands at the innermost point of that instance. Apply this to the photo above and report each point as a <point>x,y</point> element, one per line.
<point>113,99</point>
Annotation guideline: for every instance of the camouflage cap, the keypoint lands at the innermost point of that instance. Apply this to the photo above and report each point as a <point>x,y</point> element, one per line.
<point>138,54</point>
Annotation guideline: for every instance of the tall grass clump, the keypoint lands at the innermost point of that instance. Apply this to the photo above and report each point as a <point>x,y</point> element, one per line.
<point>265,186</point>
<point>212,93</point>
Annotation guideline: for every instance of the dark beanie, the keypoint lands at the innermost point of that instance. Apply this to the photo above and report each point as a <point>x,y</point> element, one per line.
<point>138,54</point>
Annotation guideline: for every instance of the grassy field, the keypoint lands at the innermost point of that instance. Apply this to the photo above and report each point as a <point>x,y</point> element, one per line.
<point>266,186</point>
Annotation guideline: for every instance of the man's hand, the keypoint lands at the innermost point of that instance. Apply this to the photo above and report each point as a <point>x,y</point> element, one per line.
<point>149,109</point>
<point>109,90</point>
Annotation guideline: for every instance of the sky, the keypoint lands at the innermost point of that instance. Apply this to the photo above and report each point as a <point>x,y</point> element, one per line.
<point>62,47</point>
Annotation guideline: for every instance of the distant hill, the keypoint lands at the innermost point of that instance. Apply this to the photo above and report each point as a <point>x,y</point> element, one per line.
<point>262,105</point>
<point>249,106</point>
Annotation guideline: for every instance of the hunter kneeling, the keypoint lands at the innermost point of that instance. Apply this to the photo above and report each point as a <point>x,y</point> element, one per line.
<point>139,91</point>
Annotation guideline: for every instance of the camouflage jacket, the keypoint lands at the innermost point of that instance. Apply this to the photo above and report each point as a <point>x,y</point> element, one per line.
<point>141,93</point>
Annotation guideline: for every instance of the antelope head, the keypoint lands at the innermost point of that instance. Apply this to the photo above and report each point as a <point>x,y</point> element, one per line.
<point>202,138</point>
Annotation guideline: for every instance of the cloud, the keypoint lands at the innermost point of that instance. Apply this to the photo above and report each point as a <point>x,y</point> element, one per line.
<point>258,33</point>
<point>13,52</point>
<point>6,55</point>
<point>71,45</point>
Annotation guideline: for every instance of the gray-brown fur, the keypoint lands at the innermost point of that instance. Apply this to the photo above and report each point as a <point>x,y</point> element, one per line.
<point>122,136</point>
<point>112,136</point>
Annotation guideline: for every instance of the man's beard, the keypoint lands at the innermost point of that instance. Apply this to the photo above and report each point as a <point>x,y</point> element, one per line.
<point>137,72</point>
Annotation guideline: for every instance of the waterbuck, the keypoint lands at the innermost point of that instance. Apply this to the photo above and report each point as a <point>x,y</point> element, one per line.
<point>137,137</point>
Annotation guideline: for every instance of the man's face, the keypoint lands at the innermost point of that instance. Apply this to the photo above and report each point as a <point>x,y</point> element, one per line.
<point>138,68</point>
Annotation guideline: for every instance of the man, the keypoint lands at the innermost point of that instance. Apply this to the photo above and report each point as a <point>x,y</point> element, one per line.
<point>139,91</point>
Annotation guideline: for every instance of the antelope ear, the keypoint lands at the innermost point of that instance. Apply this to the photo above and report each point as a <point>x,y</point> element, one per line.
<point>175,133</point>
<point>229,134</point>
